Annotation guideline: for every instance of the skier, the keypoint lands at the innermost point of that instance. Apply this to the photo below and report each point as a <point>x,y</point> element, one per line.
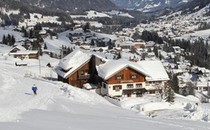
<point>34,89</point>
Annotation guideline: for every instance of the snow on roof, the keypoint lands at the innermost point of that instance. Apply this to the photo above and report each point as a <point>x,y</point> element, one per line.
<point>150,44</point>
<point>185,77</point>
<point>43,32</point>
<point>112,67</point>
<point>72,62</point>
<point>106,36</point>
<point>126,43</point>
<point>20,47</point>
<point>155,69</point>
<point>26,52</point>
<point>93,14</point>
<point>176,71</point>
<point>176,47</point>
<point>103,56</point>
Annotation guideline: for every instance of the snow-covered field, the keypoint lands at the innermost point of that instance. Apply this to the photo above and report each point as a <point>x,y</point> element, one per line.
<point>203,34</point>
<point>59,106</point>
<point>39,18</point>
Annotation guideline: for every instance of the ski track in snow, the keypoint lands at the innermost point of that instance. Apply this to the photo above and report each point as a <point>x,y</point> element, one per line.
<point>16,97</point>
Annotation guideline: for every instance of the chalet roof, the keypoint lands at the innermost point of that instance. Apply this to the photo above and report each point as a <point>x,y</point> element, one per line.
<point>112,67</point>
<point>150,44</point>
<point>155,69</point>
<point>125,43</point>
<point>26,52</point>
<point>21,48</point>
<point>72,62</point>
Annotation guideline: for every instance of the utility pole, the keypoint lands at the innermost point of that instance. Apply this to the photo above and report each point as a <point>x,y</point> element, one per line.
<point>208,89</point>
<point>39,62</point>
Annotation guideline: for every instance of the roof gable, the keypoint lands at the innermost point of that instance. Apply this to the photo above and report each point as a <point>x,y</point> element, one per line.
<point>72,62</point>
<point>111,68</point>
<point>18,48</point>
<point>155,69</point>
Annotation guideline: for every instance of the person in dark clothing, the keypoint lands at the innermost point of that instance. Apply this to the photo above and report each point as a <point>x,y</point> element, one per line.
<point>34,89</point>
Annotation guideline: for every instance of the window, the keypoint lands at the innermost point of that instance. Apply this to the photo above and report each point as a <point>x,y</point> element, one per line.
<point>205,88</point>
<point>138,85</point>
<point>139,95</point>
<point>133,76</point>
<point>117,87</point>
<point>104,85</point>
<point>83,72</point>
<point>119,77</point>
<point>152,92</point>
<point>129,85</point>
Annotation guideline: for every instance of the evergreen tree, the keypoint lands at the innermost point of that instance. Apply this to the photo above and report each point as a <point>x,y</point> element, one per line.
<point>38,27</point>
<point>45,46</point>
<point>25,33</point>
<point>110,45</point>
<point>92,43</point>
<point>175,85</point>
<point>25,45</point>
<point>8,38</point>
<point>156,51</point>
<point>4,40</point>
<point>86,27</point>
<point>12,41</point>
<point>170,96</point>
<point>136,36</point>
<point>119,55</point>
<point>31,33</point>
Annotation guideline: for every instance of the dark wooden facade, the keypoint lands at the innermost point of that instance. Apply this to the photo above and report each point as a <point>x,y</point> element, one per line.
<point>80,76</point>
<point>86,73</point>
<point>127,75</point>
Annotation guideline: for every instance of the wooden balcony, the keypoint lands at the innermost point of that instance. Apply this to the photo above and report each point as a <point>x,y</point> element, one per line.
<point>83,77</point>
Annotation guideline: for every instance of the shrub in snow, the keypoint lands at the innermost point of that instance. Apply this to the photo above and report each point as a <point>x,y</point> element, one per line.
<point>206,117</point>
<point>190,107</point>
<point>204,99</point>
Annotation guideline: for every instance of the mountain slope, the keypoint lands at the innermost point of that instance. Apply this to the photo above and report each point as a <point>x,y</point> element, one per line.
<point>148,5</point>
<point>72,4</point>
<point>60,8</point>
<point>194,5</point>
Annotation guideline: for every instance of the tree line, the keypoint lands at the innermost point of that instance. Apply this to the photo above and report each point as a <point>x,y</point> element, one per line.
<point>197,51</point>
<point>8,40</point>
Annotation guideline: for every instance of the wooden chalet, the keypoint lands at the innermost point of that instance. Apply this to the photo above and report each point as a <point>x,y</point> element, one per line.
<point>115,78</point>
<point>76,69</point>
<point>122,78</point>
<point>25,54</point>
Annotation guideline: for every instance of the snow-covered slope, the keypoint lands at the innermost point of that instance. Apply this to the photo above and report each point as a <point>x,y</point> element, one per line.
<point>59,106</point>
<point>18,36</point>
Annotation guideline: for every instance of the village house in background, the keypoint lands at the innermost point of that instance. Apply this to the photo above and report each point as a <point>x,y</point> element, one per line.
<point>20,52</point>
